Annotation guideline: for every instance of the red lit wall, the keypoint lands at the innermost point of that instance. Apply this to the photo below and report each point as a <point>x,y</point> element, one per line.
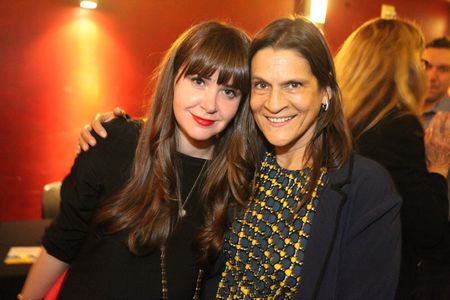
<point>59,65</point>
<point>344,16</point>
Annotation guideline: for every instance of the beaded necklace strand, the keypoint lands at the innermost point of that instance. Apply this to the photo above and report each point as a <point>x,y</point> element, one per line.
<point>164,286</point>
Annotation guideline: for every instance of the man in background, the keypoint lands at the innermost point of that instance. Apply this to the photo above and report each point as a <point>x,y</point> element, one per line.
<point>435,270</point>
<point>436,57</point>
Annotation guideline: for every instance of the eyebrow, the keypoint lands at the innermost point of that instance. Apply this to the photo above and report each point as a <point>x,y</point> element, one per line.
<point>257,78</point>
<point>438,65</point>
<point>204,77</point>
<point>303,81</point>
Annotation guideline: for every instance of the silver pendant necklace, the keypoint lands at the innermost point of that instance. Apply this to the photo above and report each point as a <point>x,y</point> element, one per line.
<point>181,214</point>
<point>181,205</point>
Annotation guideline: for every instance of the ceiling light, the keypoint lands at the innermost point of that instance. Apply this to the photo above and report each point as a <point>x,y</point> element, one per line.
<point>318,11</point>
<point>88,4</point>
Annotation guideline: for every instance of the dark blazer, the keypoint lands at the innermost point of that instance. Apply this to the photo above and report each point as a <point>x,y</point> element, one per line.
<point>396,142</point>
<point>353,250</point>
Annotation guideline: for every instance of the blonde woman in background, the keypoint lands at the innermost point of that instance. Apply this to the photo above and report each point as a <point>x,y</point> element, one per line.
<point>383,85</point>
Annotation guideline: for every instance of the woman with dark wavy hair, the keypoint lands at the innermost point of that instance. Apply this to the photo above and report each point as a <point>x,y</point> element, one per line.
<point>143,211</point>
<point>322,222</point>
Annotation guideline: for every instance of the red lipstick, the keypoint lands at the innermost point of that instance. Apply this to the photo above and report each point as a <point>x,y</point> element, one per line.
<point>202,122</point>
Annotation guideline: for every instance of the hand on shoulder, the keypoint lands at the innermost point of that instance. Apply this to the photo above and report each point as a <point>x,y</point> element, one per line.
<point>87,139</point>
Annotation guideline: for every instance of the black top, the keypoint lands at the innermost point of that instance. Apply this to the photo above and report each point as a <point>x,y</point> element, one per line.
<point>396,142</point>
<point>102,267</point>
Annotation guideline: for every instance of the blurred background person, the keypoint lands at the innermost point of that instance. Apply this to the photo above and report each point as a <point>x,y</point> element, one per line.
<point>383,84</point>
<point>436,58</point>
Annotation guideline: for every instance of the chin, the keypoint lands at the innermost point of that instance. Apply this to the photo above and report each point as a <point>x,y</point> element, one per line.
<point>278,143</point>
<point>432,99</point>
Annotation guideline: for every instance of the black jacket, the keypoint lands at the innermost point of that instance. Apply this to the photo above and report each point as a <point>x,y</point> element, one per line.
<point>396,142</point>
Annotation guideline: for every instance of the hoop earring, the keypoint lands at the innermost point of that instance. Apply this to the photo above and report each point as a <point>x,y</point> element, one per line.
<point>324,106</point>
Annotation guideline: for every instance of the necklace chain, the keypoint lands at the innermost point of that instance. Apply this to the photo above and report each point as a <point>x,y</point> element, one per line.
<point>181,210</point>
<point>164,287</point>
<point>181,213</point>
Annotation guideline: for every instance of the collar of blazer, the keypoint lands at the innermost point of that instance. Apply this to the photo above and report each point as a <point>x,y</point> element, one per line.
<point>325,229</point>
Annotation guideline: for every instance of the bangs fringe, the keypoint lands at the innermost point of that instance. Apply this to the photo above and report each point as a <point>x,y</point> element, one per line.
<point>207,58</point>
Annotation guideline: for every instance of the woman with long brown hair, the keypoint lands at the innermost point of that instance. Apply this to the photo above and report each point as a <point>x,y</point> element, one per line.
<point>141,213</point>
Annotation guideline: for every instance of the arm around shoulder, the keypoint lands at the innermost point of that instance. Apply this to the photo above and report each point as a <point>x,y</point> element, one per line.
<point>94,175</point>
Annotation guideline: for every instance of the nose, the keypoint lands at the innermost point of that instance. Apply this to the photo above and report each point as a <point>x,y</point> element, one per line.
<point>432,73</point>
<point>209,102</point>
<point>275,101</point>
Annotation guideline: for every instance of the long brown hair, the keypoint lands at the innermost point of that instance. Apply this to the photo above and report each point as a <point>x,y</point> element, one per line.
<point>379,69</point>
<point>331,144</point>
<point>146,208</point>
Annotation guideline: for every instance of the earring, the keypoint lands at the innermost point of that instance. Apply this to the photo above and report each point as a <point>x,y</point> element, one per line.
<point>324,106</point>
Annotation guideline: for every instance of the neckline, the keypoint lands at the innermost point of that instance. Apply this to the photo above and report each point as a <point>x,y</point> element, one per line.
<point>191,158</point>
<point>272,158</point>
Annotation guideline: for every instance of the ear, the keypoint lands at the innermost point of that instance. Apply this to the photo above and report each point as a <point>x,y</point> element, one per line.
<point>326,96</point>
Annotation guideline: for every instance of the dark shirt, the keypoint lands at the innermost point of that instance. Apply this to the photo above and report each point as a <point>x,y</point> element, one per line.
<point>102,267</point>
<point>397,143</point>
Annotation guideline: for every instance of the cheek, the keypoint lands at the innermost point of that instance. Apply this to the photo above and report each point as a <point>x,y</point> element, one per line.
<point>256,101</point>
<point>177,96</point>
<point>309,102</point>
<point>446,78</point>
<point>229,109</point>
<point>177,104</point>
<point>184,94</point>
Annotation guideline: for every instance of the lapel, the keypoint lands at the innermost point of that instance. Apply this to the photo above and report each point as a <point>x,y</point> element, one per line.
<point>324,231</point>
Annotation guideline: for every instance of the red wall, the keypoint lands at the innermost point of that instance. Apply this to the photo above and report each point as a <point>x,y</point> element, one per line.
<point>59,65</point>
<point>344,16</point>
